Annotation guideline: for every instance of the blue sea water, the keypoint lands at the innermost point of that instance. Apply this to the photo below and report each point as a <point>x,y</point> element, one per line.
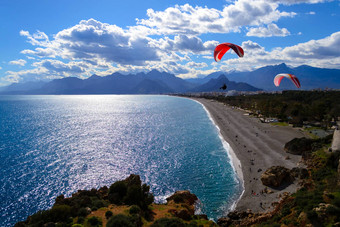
<point>52,145</point>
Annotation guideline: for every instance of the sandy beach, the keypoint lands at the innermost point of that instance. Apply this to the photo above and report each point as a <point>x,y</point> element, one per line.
<point>256,146</point>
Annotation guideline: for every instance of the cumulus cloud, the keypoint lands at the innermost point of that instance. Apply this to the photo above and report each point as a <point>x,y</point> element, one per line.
<point>37,39</point>
<point>20,62</point>
<point>59,67</point>
<point>270,30</point>
<point>185,44</point>
<point>92,39</point>
<point>186,19</point>
<point>27,75</point>
<point>293,2</point>
<point>168,40</point>
<point>327,48</point>
<point>318,53</point>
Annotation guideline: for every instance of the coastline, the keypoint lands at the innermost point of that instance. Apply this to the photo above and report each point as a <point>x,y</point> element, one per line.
<point>235,162</point>
<point>254,147</point>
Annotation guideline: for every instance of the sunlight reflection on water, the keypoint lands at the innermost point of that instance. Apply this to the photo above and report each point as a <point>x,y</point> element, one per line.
<point>54,145</point>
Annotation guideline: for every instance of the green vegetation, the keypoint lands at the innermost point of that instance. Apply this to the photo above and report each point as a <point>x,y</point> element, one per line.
<point>121,220</point>
<point>294,107</point>
<point>125,203</point>
<point>74,210</point>
<point>318,200</point>
<point>108,214</point>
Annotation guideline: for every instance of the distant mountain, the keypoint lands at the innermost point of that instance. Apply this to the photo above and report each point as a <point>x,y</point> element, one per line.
<point>309,77</point>
<point>155,82</point>
<point>216,84</point>
<point>17,88</point>
<point>148,86</point>
<point>203,80</point>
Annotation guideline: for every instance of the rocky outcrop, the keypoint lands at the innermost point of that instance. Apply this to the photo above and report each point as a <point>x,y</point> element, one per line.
<point>298,146</point>
<point>187,199</point>
<point>276,176</point>
<point>324,209</point>
<point>184,214</point>
<point>183,197</point>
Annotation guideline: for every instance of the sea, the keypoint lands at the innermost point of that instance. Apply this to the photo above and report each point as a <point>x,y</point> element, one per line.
<point>58,144</point>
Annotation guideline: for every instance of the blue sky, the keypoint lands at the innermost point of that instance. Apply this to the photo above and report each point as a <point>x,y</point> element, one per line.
<point>44,39</point>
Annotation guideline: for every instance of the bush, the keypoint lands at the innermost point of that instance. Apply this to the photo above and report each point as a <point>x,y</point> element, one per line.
<point>108,214</point>
<point>134,209</point>
<point>168,222</point>
<point>336,201</point>
<point>98,203</point>
<point>60,213</point>
<point>82,212</point>
<point>120,220</point>
<point>133,195</point>
<point>333,210</point>
<point>81,220</point>
<point>117,191</point>
<point>94,221</point>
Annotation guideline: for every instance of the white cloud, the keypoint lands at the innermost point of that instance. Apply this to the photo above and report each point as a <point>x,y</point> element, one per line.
<point>327,48</point>
<point>270,30</point>
<point>311,13</point>
<point>26,75</point>
<point>293,2</point>
<point>318,53</point>
<point>92,39</point>
<point>63,69</point>
<point>166,40</point>
<point>37,39</point>
<point>186,19</point>
<point>20,62</point>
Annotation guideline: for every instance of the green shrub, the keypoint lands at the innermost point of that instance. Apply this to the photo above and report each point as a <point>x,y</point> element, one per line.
<point>134,209</point>
<point>108,214</point>
<point>94,221</point>
<point>82,212</point>
<point>60,213</point>
<point>98,203</point>
<point>81,220</point>
<point>312,215</point>
<point>133,195</point>
<point>120,220</point>
<point>119,188</point>
<point>168,222</point>
<point>333,210</point>
<point>336,201</point>
<point>77,225</point>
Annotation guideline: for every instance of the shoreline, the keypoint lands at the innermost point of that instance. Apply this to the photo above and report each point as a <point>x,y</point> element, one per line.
<point>234,161</point>
<point>253,147</point>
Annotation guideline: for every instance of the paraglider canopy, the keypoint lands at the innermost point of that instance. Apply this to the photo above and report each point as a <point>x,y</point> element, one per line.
<point>221,49</point>
<point>279,77</point>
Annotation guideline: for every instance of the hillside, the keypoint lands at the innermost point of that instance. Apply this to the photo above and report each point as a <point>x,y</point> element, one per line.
<point>125,203</point>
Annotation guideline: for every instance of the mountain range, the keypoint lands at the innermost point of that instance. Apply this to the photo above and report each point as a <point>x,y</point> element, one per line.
<point>155,82</point>
<point>309,77</point>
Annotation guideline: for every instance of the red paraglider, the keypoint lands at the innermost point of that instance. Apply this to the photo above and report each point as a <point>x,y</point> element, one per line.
<point>221,49</point>
<point>279,77</point>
